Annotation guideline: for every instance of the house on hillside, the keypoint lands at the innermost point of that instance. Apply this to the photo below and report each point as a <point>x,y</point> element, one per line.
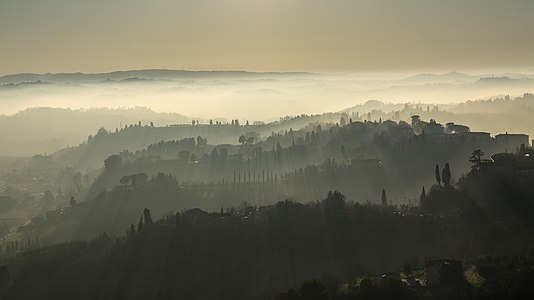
<point>473,136</point>
<point>431,128</point>
<point>512,142</point>
<point>451,128</point>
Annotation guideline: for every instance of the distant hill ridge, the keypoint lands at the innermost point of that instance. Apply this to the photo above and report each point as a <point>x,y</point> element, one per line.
<point>149,74</point>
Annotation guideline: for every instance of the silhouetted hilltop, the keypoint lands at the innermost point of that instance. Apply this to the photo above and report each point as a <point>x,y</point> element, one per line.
<point>45,130</point>
<point>450,77</point>
<point>152,74</point>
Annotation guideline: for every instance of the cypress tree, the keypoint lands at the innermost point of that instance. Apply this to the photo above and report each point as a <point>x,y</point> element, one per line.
<point>438,177</point>
<point>148,218</point>
<point>140,225</point>
<point>384,199</point>
<point>446,175</point>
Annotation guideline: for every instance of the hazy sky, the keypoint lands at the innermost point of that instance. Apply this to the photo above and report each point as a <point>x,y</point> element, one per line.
<point>265,35</point>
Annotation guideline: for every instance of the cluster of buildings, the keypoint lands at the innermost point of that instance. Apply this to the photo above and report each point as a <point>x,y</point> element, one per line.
<point>508,142</point>
<point>509,153</point>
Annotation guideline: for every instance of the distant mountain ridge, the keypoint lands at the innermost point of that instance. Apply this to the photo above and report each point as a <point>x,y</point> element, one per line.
<point>167,74</point>
<point>148,74</point>
<point>445,77</point>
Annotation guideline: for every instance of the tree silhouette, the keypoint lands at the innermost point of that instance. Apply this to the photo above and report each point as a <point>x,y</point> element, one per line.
<point>72,202</point>
<point>184,155</point>
<point>446,175</point>
<point>148,218</point>
<point>125,180</point>
<point>138,179</point>
<point>476,158</point>
<point>113,162</point>
<point>438,177</point>
<point>423,195</point>
<point>140,225</point>
<point>384,198</point>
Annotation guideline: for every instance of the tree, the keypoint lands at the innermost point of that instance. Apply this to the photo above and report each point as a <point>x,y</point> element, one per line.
<point>446,175</point>
<point>72,202</point>
<point>184,156</point>
<point>422,198</point>
<point>139,179</point>
<point>438,177</point>
<point>113,162</point>
<point>278,151</point>
<point>148,218</point>
<point>125,180</point>
<point>335,203</point>
<point>242,139</point>
<point>423,193</point>
<point>201,141</point>
<point>476,158</point>
<point>140,225</point>
<point>132,230</point>
<point>101,132</point>
<point>214,157</point>
<point>384,198</point>
<point>342,121</point>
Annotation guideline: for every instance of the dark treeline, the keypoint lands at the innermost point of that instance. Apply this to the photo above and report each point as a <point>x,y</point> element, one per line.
<point>251,252</point>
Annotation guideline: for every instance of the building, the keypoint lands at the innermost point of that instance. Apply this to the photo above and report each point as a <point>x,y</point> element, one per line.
<point>451,128</point>
<point>433,128</point>
<point>429,128</point>
<point>417,124</point>
<point>511,142</point>
<point>474,136</point>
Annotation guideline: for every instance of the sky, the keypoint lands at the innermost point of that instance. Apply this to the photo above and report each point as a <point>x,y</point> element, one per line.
<point>43,36</point>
